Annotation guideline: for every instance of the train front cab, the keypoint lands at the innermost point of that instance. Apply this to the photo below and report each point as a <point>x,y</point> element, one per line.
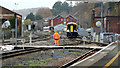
<point>72,30</point>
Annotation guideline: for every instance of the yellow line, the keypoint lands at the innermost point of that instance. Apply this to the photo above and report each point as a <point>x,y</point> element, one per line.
<point>112,60</point>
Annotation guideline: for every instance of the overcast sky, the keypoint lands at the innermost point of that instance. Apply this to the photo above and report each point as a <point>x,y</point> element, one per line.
<point>23,4</point>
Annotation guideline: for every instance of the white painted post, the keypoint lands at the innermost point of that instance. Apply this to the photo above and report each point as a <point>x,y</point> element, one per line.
<point>84,43</point>
<point>30,37</point>
<point>3,37</point>
<point>52,22</point>
<point>16,31</point>
<point>84,39</point>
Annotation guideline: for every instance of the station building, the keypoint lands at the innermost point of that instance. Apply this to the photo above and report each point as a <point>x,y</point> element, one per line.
<point>70,18</point>
<point>56,20</point>
<point>110,24</point>
<point>6,14</point>
<point>61,20</point>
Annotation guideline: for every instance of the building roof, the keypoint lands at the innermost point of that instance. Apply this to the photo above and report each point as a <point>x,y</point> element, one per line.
<point>71,16</point>
<point>9,10</point>
<point>55,17</point>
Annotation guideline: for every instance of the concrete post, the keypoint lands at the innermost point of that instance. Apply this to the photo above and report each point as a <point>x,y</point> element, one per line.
<point>16,31</point>
<point>30,37</point>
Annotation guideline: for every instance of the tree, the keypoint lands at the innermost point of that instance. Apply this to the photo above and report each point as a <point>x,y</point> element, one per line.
<point>30,16</point>
<point>27,22</point>
<point>82,13</point>
<point>38,17</point>
<point>12,23</point>
<point>57,8</point>
<point>44,12</point>
<point>54,12</point>
<point>57,5</point>
<point>65,7</point>
<point>60,7</point>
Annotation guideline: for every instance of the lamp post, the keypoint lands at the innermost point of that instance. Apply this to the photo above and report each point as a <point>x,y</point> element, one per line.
<point>102,8</point>
<point>16,25</point>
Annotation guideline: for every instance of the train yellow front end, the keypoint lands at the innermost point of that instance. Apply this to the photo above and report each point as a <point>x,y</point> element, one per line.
<point>72,30</point>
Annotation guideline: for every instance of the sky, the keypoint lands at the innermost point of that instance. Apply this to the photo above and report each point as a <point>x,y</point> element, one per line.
<point>23,4</point>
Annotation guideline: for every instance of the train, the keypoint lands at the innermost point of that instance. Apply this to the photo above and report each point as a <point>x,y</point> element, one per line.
<point>72,30</point>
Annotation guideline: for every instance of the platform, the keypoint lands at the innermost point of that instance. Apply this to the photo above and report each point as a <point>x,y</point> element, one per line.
<point>96,47</point>
<point>111,60</point>
<point>93,59</point>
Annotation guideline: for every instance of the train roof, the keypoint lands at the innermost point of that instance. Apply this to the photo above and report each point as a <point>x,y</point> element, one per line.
<point>71,23</point>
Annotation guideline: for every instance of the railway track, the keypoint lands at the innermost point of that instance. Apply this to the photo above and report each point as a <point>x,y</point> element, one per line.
<point>20,52</point>
<point>31,50</point>
<point>79,58</point>
<point>27,41</point>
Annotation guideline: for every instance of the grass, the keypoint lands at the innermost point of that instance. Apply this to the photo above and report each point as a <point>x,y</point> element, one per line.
<point>49,58</point>
<point>34,63</point>
<point>31,61</point>
<point>19,65</point>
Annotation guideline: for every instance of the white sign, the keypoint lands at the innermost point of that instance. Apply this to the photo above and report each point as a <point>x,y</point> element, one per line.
<point>6,24</point>
<point>98,23</point>
<point>29,27</point>
<point>84,38</point>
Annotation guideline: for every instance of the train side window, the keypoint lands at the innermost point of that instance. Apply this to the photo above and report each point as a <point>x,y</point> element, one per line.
<point>74,28</point>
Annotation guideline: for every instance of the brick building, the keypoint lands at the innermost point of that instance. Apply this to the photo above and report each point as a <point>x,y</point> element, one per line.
<point>6,14</point>
<point>56,20</point>
<point>70,18</point>
<point>110,24</point>
<point>61,20</point>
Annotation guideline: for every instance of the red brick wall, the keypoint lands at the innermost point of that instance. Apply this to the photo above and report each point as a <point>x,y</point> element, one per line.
<point>68,19</point>
<point>114,26</point>
<point>49,22</point>
<point>56,21</point>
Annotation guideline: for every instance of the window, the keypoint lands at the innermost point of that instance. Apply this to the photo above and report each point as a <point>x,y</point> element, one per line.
<point>67,19</point>
<point>74,27</point>
<point>61,19</point>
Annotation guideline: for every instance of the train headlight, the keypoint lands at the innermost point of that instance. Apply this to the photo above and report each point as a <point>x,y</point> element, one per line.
<point>67,30</point>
